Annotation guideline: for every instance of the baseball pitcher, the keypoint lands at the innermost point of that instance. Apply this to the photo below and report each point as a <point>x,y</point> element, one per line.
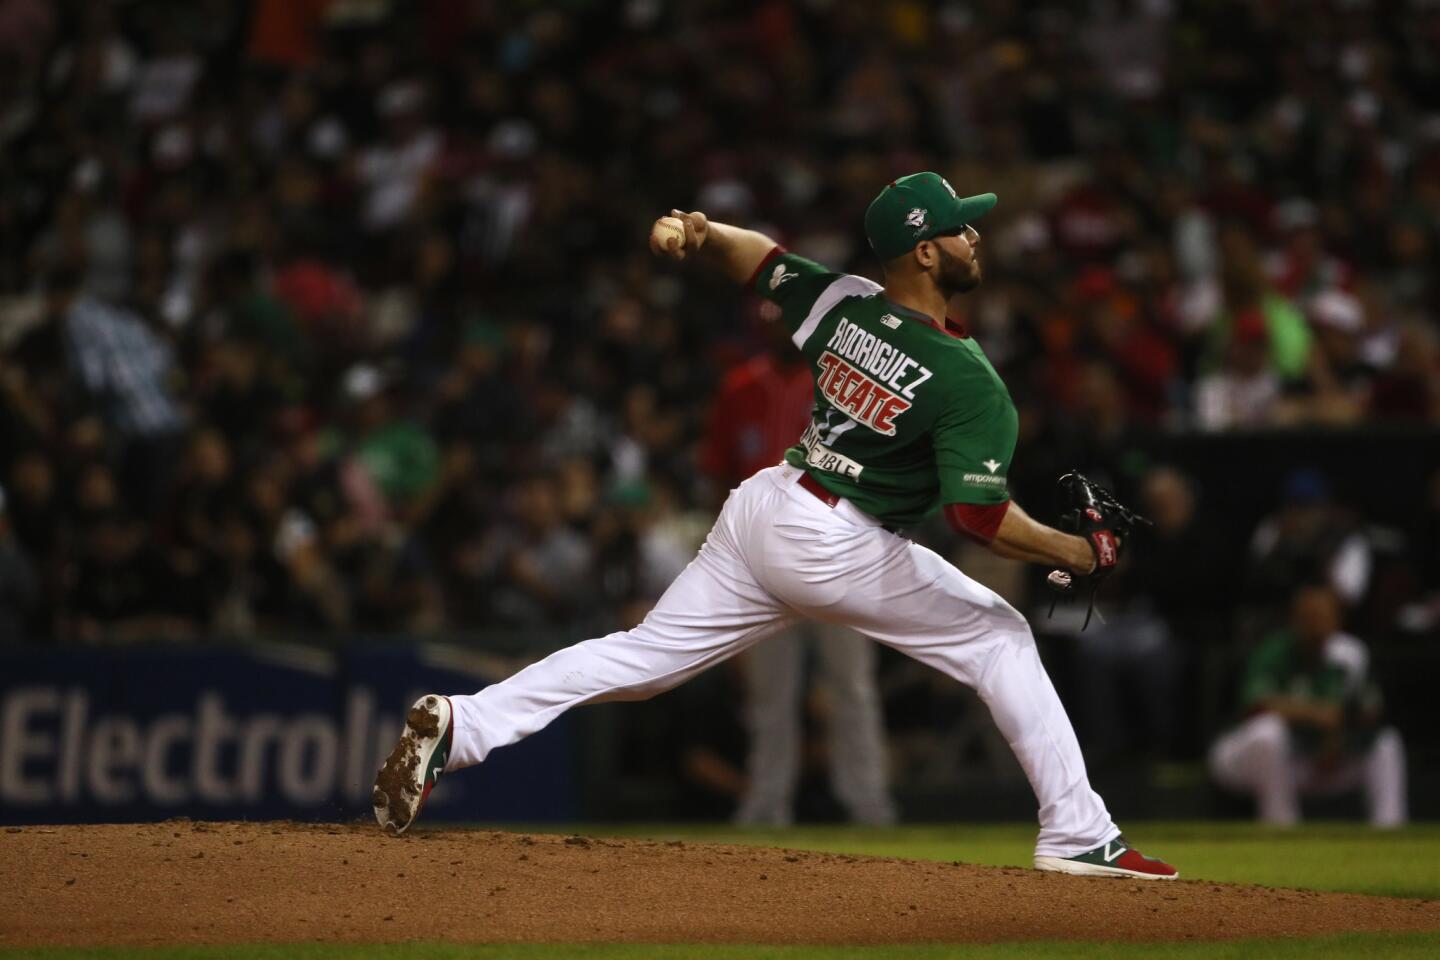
<point>909,416</point>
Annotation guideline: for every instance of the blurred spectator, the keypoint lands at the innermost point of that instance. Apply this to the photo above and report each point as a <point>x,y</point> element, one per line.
<point>119,590</point>
<point>279,571</point>
<point>1244,391</point>
<point>1409,390</point>
<point>398,453</point>
<point>205,485</point>
<point>1160,612</point>
<point>423,226</point>
<point>1300,267</point>
<point>1252,307</point>
<point>34,380</point>
<point>35,511</point>
<point>1313,722</point>
<point>474,398</point>
<point>536,569</point>
<point>19,584</point>
<point>392,171</point>
<point>125,369</point>
<point>1340,377</point>
<point>1422,613</point>
<point>1185,553</point>
<point>1310,538</point>
<point>1145,361</point>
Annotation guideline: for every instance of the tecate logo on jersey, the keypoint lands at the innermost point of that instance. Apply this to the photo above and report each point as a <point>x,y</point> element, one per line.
<point>864,399</point>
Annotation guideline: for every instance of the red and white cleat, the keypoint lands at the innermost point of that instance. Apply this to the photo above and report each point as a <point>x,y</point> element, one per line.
<point>1115,859</point>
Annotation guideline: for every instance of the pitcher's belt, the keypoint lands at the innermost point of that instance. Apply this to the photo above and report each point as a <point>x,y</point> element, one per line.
<point>808,481</point>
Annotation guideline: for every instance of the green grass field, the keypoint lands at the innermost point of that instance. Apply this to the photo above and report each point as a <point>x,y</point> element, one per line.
<point>1321,857</point>
<point>1340,857</point>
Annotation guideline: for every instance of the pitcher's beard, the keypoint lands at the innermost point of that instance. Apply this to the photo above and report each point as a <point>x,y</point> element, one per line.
<point>956,275</point>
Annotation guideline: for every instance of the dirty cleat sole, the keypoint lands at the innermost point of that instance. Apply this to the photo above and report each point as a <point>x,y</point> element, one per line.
<point>409,774</point>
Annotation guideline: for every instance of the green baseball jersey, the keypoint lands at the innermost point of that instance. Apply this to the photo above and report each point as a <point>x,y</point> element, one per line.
<point>906,416</point>
<point>1339,676</point>
<point>1277,668</point>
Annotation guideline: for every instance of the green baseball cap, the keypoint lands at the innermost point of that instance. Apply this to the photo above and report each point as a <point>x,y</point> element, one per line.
<point>918,207</point>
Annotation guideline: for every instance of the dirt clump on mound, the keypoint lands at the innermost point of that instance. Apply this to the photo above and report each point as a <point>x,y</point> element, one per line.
<point>192,882</point>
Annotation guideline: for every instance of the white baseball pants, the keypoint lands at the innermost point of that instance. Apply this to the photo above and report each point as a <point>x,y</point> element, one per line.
<point>1258,757</point>
<point>778,553</point>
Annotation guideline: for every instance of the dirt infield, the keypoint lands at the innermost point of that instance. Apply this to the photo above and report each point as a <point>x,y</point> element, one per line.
<point>184,882</point>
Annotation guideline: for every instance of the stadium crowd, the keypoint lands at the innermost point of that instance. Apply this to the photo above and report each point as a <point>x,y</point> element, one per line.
<point>325,315</point>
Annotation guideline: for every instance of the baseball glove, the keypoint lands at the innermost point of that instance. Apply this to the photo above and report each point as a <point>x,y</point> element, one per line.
<point>1090,511</point>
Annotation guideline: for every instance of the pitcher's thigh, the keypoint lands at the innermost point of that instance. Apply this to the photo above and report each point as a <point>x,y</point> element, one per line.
<point>915,597</point>
<point>714,609</point>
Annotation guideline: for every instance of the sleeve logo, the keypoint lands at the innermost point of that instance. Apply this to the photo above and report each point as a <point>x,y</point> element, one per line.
<point>990,478</point>
<point>916,218</point>
<point>779,276</point>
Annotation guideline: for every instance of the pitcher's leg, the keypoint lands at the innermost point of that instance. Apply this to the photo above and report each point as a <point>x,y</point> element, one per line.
<point>859,767</point>
<point>1028,711</point>
<point>713,610</point>
<point>774,673</point>
<point>915,601</point>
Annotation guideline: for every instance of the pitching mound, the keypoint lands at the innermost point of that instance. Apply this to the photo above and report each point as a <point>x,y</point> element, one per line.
<point>183,882</point>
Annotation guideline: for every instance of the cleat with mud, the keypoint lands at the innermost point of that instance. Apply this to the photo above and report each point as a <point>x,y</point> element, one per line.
<point>410,772</point>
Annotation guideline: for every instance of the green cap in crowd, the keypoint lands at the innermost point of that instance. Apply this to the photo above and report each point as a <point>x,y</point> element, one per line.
<point>919,207</point>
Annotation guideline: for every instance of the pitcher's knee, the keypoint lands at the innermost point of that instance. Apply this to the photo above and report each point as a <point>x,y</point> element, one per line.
<point>1011,633</point>
<point>640,690</point>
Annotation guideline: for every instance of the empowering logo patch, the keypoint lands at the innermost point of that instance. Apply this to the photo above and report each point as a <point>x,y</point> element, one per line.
<point>984,479</point>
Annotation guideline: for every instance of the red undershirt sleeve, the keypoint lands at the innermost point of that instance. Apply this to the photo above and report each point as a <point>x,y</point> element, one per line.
<point>978,521</point>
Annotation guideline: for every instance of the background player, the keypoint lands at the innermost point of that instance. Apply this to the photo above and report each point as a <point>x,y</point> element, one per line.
<point>1313,721</point>
<point>908,415</point>
<point>762,405</point>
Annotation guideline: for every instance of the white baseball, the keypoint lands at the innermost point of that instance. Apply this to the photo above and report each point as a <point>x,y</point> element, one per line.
<point>664,229</point>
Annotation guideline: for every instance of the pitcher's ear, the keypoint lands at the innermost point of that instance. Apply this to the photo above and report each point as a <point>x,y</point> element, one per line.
<point>925,253</point>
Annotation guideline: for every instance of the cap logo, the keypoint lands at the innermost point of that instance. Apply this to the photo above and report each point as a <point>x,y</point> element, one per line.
<point>916,218</point>
<point>950,188</point>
